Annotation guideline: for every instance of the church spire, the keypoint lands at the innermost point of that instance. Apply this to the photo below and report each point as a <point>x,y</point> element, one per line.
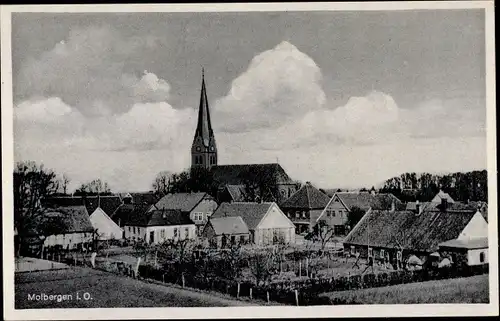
<point>204,127</point>
<point>204,150</point>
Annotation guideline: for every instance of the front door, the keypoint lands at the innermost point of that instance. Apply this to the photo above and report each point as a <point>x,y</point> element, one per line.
<point>151,237</point>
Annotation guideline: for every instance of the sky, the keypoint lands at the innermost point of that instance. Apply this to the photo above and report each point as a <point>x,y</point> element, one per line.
<point>340,99</point>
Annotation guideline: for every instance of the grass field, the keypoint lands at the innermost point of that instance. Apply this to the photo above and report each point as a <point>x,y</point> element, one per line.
<point>462,290</point>
<point>107,291</point>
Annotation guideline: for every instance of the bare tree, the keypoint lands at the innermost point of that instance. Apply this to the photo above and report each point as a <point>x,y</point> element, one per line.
<point>163,183</point>
<point>33,183</point>
<point>64,183</point>
<point>321,233</point>
<point>96,186</point>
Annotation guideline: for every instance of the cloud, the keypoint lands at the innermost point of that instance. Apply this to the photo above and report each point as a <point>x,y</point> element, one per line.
<point>279,85</point>
<point>91,71</point>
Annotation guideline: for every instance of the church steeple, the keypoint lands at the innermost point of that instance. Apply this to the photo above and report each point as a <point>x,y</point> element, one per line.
<point>204,150</point>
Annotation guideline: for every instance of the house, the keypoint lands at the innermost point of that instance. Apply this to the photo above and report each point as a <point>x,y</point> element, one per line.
<point>105,227</point>
<point>466,251</point>
<point>100,209</point>
<point>304,207</point>
<point>223,231</point>
<point>392,235</point>
<point>265,221</point>
<point>335,213</point>
<point>197,206</point>
<point>157,226</point>
<point>272,177</point>
<point>75,227</point>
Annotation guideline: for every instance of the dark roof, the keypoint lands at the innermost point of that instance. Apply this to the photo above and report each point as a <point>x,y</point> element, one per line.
<point>125,212</point>
<point>63,201</point>
<point>419,232</point>
<point>228,225</point>
<point>251,213</point>
<point>108,204</point>
<point>366,200</point>
<point>185,202</point>
<point>476,243</point>
<point>238,192</point>
<point>148,198</point>
<point>307,197</point>
<point>238,174</point>
<point>158,218</point>
<point>75,218</point>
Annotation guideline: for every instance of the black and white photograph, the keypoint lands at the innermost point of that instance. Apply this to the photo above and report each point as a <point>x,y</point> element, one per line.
<point>249,159</point>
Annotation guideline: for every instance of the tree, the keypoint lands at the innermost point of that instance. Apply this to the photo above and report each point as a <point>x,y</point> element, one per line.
<point>162,183</point>
<point>32,184</point>
<point>95,187</point>
<point>322,233</point>
<point>354,215</point>
<point>262,265</point>
<point>64,183</point>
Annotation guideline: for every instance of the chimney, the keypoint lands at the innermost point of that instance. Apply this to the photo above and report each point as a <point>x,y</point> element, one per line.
<point>444,204</point>
<point>418,207</point>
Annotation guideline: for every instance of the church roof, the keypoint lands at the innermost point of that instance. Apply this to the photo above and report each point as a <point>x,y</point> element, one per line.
<point>307,197</point>
<point>204,126</point>
<point>238,174</point>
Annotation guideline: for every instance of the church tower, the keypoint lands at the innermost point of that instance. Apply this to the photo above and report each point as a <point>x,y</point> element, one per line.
<point>204,150</point>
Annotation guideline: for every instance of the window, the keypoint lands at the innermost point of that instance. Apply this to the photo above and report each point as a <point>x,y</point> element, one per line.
<point>175,232</point>
<point>382,254</point>
<point>352,249</point>
<point>162,233</point>
<point>133,229</point>
<point>242,239</point>
<point>481,257</point>
<point>333,213</point>
<point>370,252</point>
<point>186,232</point>
<point>233,239</point>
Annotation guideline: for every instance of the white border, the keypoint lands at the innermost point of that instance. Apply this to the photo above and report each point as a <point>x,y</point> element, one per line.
<point>242,312</point>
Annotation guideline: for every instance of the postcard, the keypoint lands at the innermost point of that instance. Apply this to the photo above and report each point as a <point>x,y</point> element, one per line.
<point>249,160</point>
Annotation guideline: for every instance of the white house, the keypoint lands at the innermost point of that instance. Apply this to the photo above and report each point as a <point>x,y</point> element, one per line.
<point>157,226</point>
<point>106,228</point>
<point>76,227</point>
<point>265,221</point>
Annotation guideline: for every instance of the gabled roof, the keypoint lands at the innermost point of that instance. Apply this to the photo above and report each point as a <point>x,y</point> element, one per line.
<point>383,228</point>
<point>366,200</point>
<point>127,211</point>
<point>108,204</point>
<point>442,195</point>
<point>75,218</point>
<point>251,213</point>
<point>228,225</point>
<point>158,218</point>
<point>475,243</point>
<point>307,197</point>
<point>185,202</point>
<point>238,192</point>
<point>238,174</point>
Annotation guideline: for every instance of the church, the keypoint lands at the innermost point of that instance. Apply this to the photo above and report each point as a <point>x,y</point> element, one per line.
<point>236,183</point>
